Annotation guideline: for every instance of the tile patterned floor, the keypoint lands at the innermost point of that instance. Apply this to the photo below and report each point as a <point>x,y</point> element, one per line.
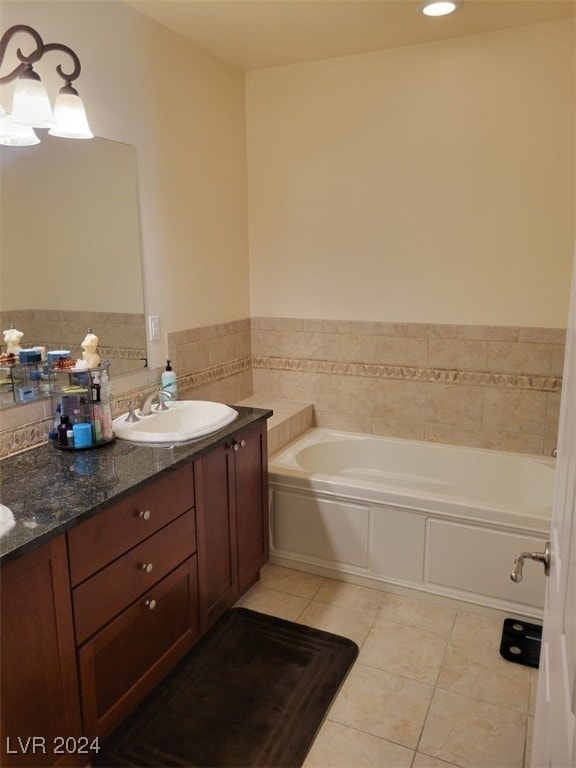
<point>429,688</point>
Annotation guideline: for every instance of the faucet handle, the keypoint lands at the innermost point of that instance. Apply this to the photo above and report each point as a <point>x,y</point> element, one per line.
<point>132,411</point>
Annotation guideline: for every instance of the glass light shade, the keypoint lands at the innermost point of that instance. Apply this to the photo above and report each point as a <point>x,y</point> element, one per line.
<point>70,115</point>
<point>31,104</point>
<point>14,135</point>
<point>439,8</point>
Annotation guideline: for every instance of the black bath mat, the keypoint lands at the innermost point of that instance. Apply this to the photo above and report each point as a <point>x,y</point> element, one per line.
<point>521,642</point>
<point>253,692</point>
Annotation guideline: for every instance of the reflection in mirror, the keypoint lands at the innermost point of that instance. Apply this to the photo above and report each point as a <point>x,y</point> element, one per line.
<point>70,249</point>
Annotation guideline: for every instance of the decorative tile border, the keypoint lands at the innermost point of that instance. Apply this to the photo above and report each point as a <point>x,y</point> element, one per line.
<point>411,373</point>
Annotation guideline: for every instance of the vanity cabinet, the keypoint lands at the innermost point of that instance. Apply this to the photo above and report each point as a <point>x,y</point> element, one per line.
<point>135,596</point>
<point>40,705</point>
<point>232,520</point>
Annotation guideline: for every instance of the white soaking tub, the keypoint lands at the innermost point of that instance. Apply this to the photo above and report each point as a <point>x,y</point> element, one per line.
<point>409,515</point>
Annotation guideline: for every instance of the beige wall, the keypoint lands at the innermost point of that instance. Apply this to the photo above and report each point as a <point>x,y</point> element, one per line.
<point>432,183</point>
<point>183,110</point>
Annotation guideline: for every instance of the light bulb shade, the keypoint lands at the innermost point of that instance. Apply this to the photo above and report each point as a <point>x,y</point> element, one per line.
<point>70,115</point>
<point>31,104</point>
<point>14,135</point>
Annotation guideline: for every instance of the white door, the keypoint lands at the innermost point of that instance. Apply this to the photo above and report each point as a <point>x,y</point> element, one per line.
<point>554,744</point>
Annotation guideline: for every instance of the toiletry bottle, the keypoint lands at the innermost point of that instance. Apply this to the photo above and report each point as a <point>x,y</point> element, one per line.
<point>53,433</point>
<point>169,383</point>
<point>63,428</point>
<point>104,386</point>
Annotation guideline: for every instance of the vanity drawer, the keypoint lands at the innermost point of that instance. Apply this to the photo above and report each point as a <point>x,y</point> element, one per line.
<point>101,539</point>
<point>121,664</point>
<point>98,599</point>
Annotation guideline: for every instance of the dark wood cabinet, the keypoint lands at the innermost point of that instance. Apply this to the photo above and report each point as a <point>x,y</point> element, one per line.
<point>40,706</point>
<point>93,620</point>
<point>232,520</point>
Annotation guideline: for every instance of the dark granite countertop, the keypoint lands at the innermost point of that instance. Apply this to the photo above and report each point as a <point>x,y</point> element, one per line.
<point>50,491</point>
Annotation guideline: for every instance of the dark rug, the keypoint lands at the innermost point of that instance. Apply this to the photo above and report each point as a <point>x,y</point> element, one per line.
<point>253,692</point>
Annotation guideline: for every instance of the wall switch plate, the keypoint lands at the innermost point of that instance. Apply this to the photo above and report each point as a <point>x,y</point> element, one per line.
<point>154,327</point>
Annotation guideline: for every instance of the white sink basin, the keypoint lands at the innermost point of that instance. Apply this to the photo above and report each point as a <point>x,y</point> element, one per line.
<point>184,420</point>
<point>7,521</point>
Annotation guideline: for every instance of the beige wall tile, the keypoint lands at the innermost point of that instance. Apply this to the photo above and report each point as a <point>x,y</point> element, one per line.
<point>520,411</point>
<point>488,332</point>
<point>508,357</point>
<point>243,344</point>
<point>391,350</point>
<point>244,379</point>
<point>366,328</point>
<point>454,405</point>
<point>457,353</point>
<point>407,430</point>
<point>348,348</point>
<point>346,394</point>
<point>265,382</point>
<point>399,400</point>
<point>546,335</point>
<point>558,359</point>
<point>437,433</point>
<point>509,441</point>
<point>277,323</point>
<point>300,385</point>
<point>272,440</point>
<point>326,326</point>
<point>344,421</point>
<point>430,330</point>
<point>284,436</point>
<point>192,357</point>
<point>222,349</point>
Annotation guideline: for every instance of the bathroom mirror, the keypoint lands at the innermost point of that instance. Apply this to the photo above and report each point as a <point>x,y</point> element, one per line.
<point>70,247</point>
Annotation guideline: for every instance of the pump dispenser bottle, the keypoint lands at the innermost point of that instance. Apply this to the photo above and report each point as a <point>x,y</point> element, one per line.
<point>169,383</point>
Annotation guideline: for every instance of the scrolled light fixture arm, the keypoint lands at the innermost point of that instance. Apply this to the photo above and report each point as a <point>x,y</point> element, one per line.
<point>31,105</point>
<point>41,48</point>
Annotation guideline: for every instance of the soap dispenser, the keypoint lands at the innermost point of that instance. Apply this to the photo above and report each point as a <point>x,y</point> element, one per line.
<point>169,383</point>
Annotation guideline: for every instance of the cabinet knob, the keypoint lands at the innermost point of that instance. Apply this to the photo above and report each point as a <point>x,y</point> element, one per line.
<point>144,514</point>
<point>151,604</point>
<point>242,443</point>
<point>236,446</point>
<point>147,567</point>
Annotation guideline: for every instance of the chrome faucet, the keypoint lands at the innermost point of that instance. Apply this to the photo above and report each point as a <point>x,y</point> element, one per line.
<point>161,395</point>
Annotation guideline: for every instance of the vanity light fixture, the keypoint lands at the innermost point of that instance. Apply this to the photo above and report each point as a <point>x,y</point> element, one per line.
<point>31,105</point>
<point>440,7</point>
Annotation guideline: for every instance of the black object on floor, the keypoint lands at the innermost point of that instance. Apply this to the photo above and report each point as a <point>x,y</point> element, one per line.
<point>521,642</point>
<point>253,692</point>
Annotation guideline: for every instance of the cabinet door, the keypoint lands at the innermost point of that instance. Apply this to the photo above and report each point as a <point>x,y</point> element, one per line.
<point>39,689</point>
<point>216,534</point>
<point>122,663</point>
<point>251,478</point>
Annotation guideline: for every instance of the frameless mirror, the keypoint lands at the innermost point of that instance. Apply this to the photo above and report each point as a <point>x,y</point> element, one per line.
<point>70,249</point>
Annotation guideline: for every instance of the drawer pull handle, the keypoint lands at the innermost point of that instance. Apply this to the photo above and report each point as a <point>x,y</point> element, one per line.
<point>147,567</point>
<point>144,514</point>
<point>151,604</point>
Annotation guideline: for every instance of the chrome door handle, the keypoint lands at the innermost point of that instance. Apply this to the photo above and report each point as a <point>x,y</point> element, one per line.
<point>540,557</point>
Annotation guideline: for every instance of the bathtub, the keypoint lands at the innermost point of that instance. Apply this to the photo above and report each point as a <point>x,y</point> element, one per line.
<point>413,517</point>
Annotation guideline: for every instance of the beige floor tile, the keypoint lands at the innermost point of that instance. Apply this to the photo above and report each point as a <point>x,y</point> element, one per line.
<point>272,602</point>
<point>291,581</point>
<point>403,650</point>
<point>382,704</point>
<point>341,621</point>
<point>425,761</point>
<point>338,746</point>
<point>472,733</point>
<point>351,596</point>
<point>482,673</point>
<point>416,613</point>
<point>480,630</point>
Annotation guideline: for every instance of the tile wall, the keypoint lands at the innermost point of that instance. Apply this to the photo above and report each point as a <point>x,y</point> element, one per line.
<point>494,387</point>
<point>482,386</point>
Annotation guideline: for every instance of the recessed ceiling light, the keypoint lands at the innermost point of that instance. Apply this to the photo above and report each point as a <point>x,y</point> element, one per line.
<point>439,7</point>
